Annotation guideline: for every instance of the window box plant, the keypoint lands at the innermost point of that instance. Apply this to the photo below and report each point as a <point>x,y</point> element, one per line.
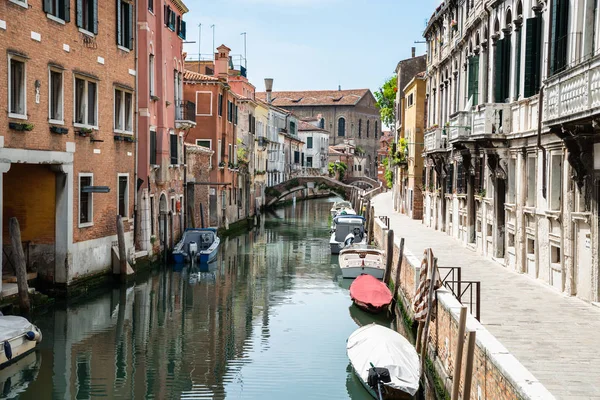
<point>16,126</point>
<point>230,165</point>
<point>84,132</point>
<point>454,25</point>
<point>222,165</point>
<point>59,130</point>
<point>119,138</point>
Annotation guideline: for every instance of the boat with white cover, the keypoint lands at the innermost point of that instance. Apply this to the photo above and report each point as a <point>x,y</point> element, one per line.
<point>361,259</point>
<point>385,362</point>
<point>18,337</point>
<point>348,230</point>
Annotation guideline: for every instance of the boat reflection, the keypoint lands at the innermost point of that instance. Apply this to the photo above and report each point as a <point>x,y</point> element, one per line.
<point>16,377</point>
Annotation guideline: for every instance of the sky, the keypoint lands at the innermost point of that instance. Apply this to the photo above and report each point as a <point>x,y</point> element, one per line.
<point>312,44</point>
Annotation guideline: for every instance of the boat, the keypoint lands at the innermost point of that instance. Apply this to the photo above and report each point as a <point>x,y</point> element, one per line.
<point>385,362</point>
<point>359,259</point>
<point>348,230</point>
<point>337,207</point>
<point>16,377</point>
<point>370,294</point>
<point>18,337</point>
<point>198,244</point>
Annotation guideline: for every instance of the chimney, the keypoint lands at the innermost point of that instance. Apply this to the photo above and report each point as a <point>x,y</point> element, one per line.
<point>339,88</point>
<point>412,51</point>
<point>269,88</point>
<point>222,62</point>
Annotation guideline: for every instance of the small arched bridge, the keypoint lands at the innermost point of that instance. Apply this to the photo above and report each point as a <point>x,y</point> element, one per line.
<point>363,182</point>
<point>319,183</point>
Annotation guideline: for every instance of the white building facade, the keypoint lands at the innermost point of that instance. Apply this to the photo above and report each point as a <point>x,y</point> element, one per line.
<point>512,148</point>
<point>316,145</point>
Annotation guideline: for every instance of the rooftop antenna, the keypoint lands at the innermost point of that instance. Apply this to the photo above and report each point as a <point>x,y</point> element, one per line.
<point>213,50</point>
<point>245,58</point>
<point>199,46</point>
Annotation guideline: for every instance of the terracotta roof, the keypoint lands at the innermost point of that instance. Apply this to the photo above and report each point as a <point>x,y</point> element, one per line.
<point>197,77</point>
<point>316,97</point>
<point>304,126</point>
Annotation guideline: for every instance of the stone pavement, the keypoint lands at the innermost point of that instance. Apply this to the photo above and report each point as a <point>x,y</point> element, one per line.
<point>557,338</point>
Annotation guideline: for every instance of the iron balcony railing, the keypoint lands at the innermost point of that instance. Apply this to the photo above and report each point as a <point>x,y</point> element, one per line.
<point>185,111</point>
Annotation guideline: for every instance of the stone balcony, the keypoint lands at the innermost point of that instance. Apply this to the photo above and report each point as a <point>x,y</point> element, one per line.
<point>573,94</point>
<point>491,119</point>
<point>434,140</point>
<point>459,126</point>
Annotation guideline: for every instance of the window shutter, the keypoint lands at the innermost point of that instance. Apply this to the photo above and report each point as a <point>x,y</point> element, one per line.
<point>152,148</point>
<point>173,149</point>
<point>470,79</point>
<point>178,25</point>
<point>531,57</point>
<point>475,88</point>
<point>506,69</point>
<point>79,21</point>
<point>67,11</point>
<point>167,15</point>
<point>183,33</point>
<point>129,36</point>
<point>517,78</point>
<point>449,177</point>
<point>47,6</point>
<point>499,62</point>
<point>119,24</point>
<point>95,17</point>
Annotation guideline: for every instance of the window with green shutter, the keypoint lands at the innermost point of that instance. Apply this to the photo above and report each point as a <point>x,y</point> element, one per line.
<point>153,148</point>
<point>518,64</point>
<point>499,73</point>
<point>473,79</point>
<point>174,149</point>
<point>60,9</point>
<point>559,35</point>
<point>87,15</point>
<point>532,56</point>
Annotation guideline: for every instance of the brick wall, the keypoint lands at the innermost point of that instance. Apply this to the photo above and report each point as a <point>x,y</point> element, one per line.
<point>496,373</point>
<point>198,163</point>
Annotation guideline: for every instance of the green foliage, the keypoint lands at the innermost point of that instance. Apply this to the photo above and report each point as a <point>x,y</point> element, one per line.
<point>389,174</point>
<point>386,97</point>
<point>272,192</point>
<point>397,152</point>
<point>292,184</point>
<point>339,168</point>
<point>359,151</point>
<point>440,391</point>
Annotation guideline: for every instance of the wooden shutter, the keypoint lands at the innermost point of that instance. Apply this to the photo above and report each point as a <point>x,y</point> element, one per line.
<point>517,78</point>
<point>130,30</point>
<point>67,6</point>
<point>173,149</point>
<point>95,17</point>
<point>183,33</point>
<point>498,64</point>
<point>470,78</point>
<point>449,178</point>
<point>475,66</point>
<point>47,6</point>
<point>559,35</point>
<point>532,57</point>
<point>178,25</point>
<point>152,148</point>
<point>79,7</point>
<point>119,24</point>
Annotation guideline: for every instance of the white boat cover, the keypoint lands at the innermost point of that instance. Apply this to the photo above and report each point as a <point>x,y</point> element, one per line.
<point>13,326</point>
<point>385,348</point>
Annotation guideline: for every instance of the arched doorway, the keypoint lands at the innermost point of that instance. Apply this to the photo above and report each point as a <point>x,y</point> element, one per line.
<point>163,224</point>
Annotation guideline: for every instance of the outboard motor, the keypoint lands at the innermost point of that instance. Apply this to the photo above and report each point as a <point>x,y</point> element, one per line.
<point>193,250</point>
<point>349,240</point>
<point>378,376</point>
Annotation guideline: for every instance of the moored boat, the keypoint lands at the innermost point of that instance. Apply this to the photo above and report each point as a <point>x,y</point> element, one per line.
<point>201,245</point>
<point>348,230</point>
<point>370,294</point>
<point>359,259</point>
<point>18,337</point>
<point>385,362</point>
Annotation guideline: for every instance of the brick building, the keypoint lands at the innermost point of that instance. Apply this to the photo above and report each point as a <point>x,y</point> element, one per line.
<point>67,132</point>
<point>164,117</point>
<point>346,114</point>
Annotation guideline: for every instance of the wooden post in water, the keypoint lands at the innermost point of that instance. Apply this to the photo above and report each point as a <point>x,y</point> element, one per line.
<point>372,223</point>
<point>202,216</point>
<point>19,263</point>
<point>469,365</point>
<point>432,264</point>
<point>458,353</point>
<point>398,268</point>
<point>122,251</point>
<point>389,256</point>
<point>419,337</point>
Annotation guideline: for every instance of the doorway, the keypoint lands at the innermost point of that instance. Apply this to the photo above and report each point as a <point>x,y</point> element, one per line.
<point>500,217</point>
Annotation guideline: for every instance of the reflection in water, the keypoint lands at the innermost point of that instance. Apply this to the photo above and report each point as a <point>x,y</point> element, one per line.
<point>269,319</point>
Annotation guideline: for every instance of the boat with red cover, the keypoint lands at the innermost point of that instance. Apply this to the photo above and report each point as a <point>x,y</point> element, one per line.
<point>370,294</point>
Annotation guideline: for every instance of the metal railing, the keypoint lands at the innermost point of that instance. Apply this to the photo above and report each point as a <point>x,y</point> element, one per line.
<point>467,292</point>
<point>185,111</point>
<point>386,220</point>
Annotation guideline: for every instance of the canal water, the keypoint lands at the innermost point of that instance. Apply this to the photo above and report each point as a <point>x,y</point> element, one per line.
<point>268,320</point>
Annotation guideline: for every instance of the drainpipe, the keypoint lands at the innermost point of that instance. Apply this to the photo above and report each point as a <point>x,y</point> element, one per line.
<point>539,140</point>
<point>136,219</point>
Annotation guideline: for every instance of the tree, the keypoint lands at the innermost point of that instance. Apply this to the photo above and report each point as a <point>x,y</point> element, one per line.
<point>386,98</point>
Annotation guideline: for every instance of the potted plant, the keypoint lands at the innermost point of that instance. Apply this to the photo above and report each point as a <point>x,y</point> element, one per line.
<point>59,130</point>
<point>454,25</point>
<point>84,132</point>
<point>222,165</point>
<point>20,126</point>
<point>230,165</point>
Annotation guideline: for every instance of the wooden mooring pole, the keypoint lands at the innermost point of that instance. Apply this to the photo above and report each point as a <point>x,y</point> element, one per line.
<point>19,264</point>
<point>432,264</point>
<point>398,268</point>
<point>389,256</point>
<point>458,353</point>
<point>469,365</point>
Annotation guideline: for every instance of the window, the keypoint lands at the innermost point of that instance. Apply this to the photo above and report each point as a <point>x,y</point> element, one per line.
<point>533,51</point>
<point>309,142</point>
<point>85,200</point>
<point>170,18</point>
<point>309,162</point>
<point>342,127</point>
<point>359,128</point>
<point>322,123</point>
<point>174,149</point>
<point>123,111</point>
<point>22,3</point>
<point>151,74</point>
<point>531,178</point>
<point>559,35</point>
<point>86,101</point>
<point>55,101</point>
<point>153,148</point>
<point>410,100</point>
<point>17,97</point>
<point>173,209</point>
<point>292,127</point>
<point>220,105</point>
<point>376,130</point>
<point>236,115</point>
<point>512,186</point>
<point>555,181</point>
<point>473,80</point>
<point>125,24</point>
<point>151,6</point>
<point>123,195</point>
<point>229,111</point>
<point>181,28</point>
<point>230,153</point>
<point>87,15</point>
<point>219,150</point>
<point>296,157</point>
<point>152,215</point>
<point>60,9</point>
<point>204,143</point>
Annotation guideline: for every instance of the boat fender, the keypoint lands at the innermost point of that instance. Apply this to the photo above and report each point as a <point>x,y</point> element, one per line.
<point>7,350</point>
<point>34,335</point>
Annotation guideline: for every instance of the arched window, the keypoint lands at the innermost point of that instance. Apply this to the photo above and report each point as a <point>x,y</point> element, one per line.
<point>368,128</point>
<point>342,126</point>
<point>359,128</point>
<point>322,123</point>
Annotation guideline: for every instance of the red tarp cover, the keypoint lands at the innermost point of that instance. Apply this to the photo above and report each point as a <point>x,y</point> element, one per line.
<point>371,291</point>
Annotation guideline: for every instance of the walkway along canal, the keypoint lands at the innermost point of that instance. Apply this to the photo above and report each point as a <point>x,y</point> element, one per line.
<point>269,322</point>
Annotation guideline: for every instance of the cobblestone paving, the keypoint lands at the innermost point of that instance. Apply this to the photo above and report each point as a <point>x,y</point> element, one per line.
<point>557,338</point>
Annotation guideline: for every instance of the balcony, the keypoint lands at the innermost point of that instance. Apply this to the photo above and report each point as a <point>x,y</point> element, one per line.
<point>459,126</point>
<point>185,115</point>
<point>573,94</point>
<point>491,119</point>
<point>434,141</point>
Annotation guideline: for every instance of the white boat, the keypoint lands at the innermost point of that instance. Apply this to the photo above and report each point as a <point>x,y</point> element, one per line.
<point>337,207</point>
<point>361,259</point>
<point>386,363</point>
<point>348,230</point>
<point>18,337</point>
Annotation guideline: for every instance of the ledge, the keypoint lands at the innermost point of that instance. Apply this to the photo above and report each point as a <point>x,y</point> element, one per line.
<point>553,214</point>
<point>581,216</point>
<point>510,207</point>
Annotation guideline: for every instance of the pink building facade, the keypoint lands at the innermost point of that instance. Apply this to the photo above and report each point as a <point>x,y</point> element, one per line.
<point>163,118</point>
